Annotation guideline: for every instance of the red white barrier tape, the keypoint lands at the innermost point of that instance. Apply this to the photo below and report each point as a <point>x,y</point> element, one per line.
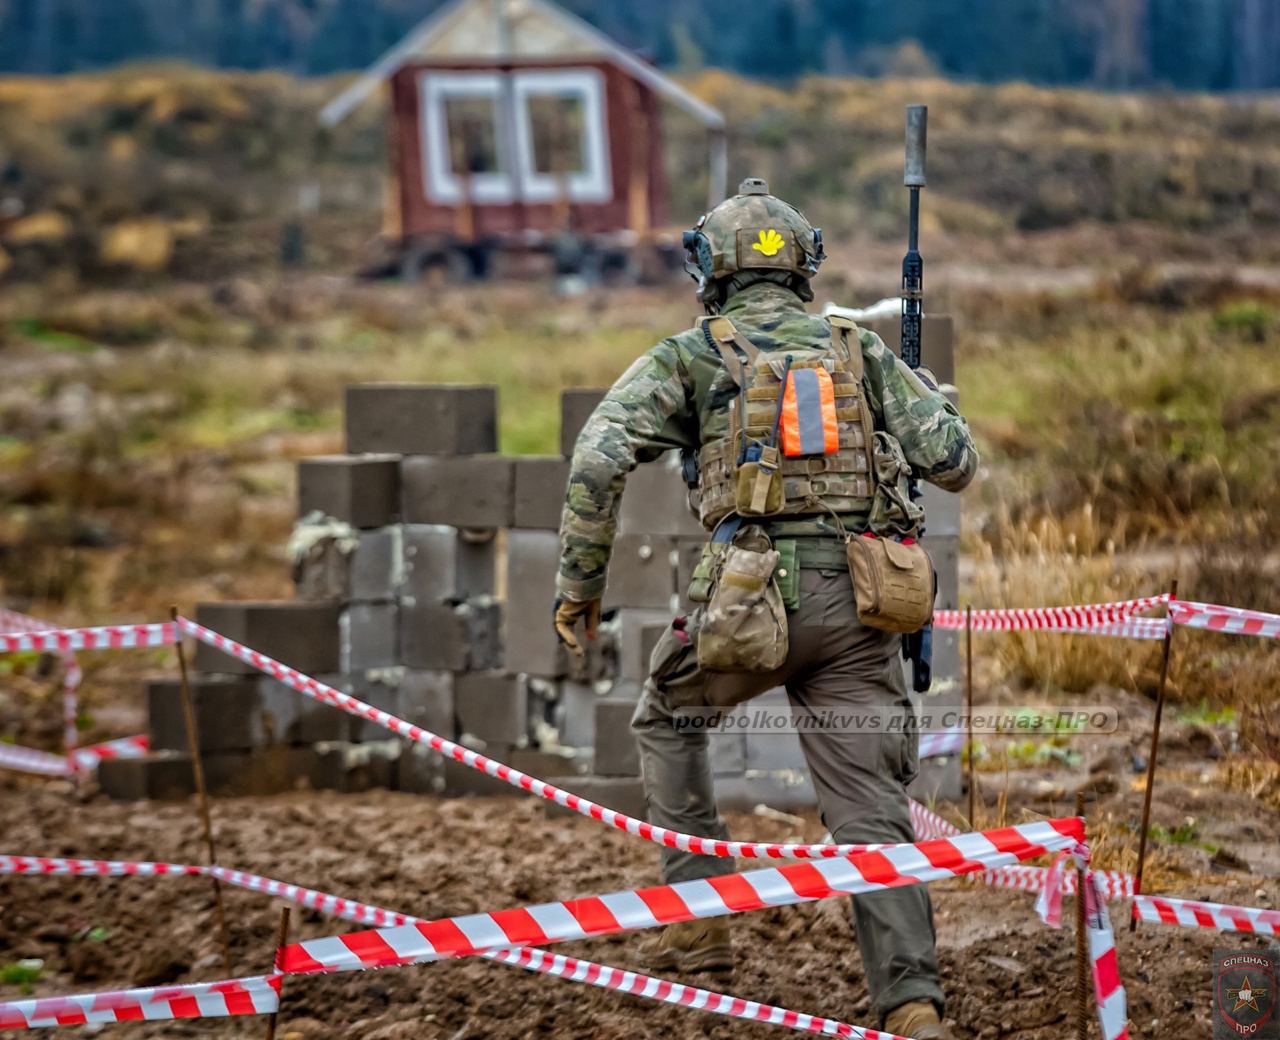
<point>1192,914</point>
<point>1069,618</point>
<point>29,760</point>
<point>318,691</point>
<point>945,742</point>
<point>519,956</point>
<point>106,637</point>
<point>1235,620</point>
<point>12,621</point>
<point>256,995</point>
<point>683,901</point>
<point>1108,990</point>
<point>86,759</point>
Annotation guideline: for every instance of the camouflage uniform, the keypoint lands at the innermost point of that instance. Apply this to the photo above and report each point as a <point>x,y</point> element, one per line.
<point>677,396</point>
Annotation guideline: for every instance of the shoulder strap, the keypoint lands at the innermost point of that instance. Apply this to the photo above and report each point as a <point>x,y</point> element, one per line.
<point>722,335</point>
<point>841,328</point>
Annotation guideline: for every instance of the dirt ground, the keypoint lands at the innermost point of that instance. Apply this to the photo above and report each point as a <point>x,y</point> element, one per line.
<point>1007,976</point>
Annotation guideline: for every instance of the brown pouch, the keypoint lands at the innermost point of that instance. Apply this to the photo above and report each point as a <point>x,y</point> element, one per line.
<point>892,583</point>
<point>744,626</point>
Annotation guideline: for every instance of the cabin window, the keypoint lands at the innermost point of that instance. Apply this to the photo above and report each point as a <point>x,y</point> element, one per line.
<point>472,125</point>
<point>463,154</point>
<point>558,137</point>
<point>563,135</point>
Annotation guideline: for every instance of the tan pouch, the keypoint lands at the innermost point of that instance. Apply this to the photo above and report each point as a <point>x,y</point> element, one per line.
<point>892,583</point>
<point>759,490</point>
<point>744,626</point>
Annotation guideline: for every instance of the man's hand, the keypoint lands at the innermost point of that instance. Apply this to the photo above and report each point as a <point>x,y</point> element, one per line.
<point>567,614</point>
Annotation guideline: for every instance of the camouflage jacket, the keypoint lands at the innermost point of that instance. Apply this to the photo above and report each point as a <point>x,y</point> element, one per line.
<point>677,396</point>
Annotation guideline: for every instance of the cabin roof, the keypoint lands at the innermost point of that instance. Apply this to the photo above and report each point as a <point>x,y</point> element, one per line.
<point>491,30</point>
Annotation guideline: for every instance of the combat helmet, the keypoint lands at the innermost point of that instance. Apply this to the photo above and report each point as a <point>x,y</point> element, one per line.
<point>752,231</point>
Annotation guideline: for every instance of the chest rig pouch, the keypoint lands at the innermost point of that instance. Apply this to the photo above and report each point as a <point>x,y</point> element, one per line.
<point>799,437</point>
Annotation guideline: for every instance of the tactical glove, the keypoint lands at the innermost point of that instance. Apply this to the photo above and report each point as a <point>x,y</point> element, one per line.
<point>567,614</point>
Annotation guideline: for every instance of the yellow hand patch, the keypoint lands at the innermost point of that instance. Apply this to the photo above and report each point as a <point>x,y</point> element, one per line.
<point>769,242</point>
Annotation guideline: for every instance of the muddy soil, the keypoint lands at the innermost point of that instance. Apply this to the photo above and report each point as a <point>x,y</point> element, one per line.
<point>1006,975</point>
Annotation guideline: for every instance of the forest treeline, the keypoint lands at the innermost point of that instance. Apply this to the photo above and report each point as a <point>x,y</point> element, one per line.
<point>1177,44</point>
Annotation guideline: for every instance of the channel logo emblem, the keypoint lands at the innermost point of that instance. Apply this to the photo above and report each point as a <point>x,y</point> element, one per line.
<point>1244,994</point>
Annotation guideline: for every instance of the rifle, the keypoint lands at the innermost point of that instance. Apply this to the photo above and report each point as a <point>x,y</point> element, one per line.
<point>917,647</point>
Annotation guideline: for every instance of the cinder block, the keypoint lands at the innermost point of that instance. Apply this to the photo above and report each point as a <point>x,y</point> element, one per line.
<point>301,635</point>
<point>937,340</point>
<point>542,764</point>
<point>493,706</point>
<point>159,775</point>
<point>168,774</point>
<point>656,501</point>
<point>623,794</point>
<point>231,715</point>
<point>420,770</point>
<point>941,511</point>
<point>377,566</point>
<point>616,750</point>
<point>770,751</point>
<point>369,637</point>
<point>311,721</point>
<point>939,780</point>
<point>322,570</point>
<point>361,490</point>
<point>540,484</point>
<point>945,553</point>
<point>461,781</point>
<point>378,689</point>
<point>456,637</point>
<point>422,419</point>
<point>790,791</point>
<point>576,714</point>
<point>642,572</point>
<point>533,559</point>
<point>426,700</point>
<point>576,407</point>
<point>638,633</point>
<point>728,753</point>
<point>352,768</point>
<point>462,491</point>
<point>442,563</point>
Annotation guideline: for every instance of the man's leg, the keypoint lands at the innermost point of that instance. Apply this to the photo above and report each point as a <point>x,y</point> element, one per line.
<point>860,776</point>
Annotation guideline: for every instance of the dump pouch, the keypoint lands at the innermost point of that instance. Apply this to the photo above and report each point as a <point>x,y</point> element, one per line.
<point>744,625</point>
<point>893,583</point>
<point>893,514</point>
<point>759,490</point>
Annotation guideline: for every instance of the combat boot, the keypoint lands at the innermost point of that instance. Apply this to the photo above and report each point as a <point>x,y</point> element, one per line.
<point>919,1020</point>
<point>701,945</point>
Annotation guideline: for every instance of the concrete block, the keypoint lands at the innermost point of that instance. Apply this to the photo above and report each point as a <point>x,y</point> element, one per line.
<point>361,490</point>
<point>426,700</point>
<point>462,491</point>
<point>789,791</point>
<point>728,753</point>
<point>459,781</point>
<point>623,794</point>
<point>301,635</point>
<point>941,511</point>
<point>945,552</point>
<point>454,637</point>
<point>323,560</point>
<point>656,501</point>
<point>378,689</point>
<point>160,775</point>
<point>442,563</point>
<point>353,768</point>
<point>422,419</point>
<point>642,572</point>
<point>937,342</point>
<point>368,637</point>
<point>540,484</point>
<point>168,774</point>
<point>638,632</point>
<point>939,780</point>
<point>616,750</point>
<point>576,407</point>
<point>311,721</point>
<point>493,706</point>
<point>533,558</point>
<point>542,764</point>
<point>420,770</point>
<point>576,714</point>
<point>770,751</point>
<point>231,715</point>
<point>377,566</point>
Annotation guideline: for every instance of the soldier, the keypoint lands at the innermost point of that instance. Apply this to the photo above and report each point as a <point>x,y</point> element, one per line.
<point>710,392</point>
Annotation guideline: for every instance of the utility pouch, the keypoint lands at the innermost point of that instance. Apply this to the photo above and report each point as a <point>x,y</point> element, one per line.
<point>744,625</point>
<point>892,582</point>
<point>759,488</point>
<point>787,575</point>
<point>699,590</point>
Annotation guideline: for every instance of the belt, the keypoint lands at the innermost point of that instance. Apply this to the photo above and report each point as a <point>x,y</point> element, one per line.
<point>819,554</point>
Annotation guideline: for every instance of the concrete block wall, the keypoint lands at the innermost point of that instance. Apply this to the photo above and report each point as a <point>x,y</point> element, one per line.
<point>424,566</point>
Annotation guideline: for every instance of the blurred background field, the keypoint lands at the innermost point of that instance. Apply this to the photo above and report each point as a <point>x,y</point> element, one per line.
<point>1112,261</point>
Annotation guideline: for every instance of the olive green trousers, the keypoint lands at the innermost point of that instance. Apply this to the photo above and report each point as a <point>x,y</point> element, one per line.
<point>833,664</point>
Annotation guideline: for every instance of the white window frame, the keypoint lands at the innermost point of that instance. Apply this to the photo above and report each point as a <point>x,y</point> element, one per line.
<point>591,184</point>
<point>594,183</point>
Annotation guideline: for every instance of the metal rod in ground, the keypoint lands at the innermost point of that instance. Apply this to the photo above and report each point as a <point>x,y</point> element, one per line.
<point>1082,945</point>
<point>1151,759</point>
<point>202,796</point>
<point>282,937</point>
<point>968,708</point>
